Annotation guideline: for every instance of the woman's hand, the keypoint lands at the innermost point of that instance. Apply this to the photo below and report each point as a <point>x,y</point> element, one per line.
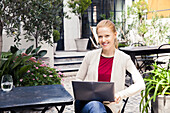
<point>117,98</point>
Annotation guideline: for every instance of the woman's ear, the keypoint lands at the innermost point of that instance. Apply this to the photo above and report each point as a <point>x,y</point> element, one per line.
<point>116,43</point>
<point>115,34</point>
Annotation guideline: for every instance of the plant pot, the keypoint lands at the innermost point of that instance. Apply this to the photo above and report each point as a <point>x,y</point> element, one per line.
<point>81,44</point>
<point>161,104</point>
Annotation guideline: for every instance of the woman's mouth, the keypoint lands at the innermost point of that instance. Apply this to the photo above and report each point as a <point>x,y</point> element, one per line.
<point>105,44</point>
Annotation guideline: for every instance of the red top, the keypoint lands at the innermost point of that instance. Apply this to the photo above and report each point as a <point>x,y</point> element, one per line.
<point>105,69</point>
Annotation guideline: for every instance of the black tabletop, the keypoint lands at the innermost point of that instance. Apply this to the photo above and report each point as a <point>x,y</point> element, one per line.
<point>35,96</point>
<point>144,50</point>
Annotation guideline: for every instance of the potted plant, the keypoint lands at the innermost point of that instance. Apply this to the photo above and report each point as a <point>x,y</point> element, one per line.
<point>27,69</point>
<point>78,7</point>
<point>56,38</point>
<point>157,90</point>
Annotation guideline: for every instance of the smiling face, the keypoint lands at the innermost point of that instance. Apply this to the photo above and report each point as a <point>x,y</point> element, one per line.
<point>106,37</point>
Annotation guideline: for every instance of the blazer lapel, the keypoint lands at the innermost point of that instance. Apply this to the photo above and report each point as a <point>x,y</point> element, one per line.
<point>113,66</point>
<point>97,60</point>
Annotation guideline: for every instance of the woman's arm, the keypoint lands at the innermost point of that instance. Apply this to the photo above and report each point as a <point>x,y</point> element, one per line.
<point>138,85</point>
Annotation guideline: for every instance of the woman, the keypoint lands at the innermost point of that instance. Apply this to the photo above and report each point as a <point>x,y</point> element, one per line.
<point>108,64</point>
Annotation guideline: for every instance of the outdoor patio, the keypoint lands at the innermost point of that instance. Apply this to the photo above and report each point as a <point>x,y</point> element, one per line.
<point>41,42</point>
<point>132,104</point>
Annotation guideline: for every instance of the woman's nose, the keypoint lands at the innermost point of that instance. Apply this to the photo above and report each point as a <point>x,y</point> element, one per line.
<point>103,39</point>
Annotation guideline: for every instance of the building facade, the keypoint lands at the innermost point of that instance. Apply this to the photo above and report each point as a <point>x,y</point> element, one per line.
<point>98,10</point>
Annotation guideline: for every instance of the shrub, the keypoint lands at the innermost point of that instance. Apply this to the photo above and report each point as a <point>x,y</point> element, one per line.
<point>39,73</point>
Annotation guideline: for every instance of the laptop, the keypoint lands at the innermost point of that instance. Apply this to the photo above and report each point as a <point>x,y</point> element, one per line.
<point>87,91</point>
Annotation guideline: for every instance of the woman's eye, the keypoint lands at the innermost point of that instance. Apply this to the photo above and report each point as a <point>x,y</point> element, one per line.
<point>99,36</point>
<point>107,35</point>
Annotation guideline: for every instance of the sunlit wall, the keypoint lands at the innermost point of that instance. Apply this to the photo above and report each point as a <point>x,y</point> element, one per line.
<point>162,7</point>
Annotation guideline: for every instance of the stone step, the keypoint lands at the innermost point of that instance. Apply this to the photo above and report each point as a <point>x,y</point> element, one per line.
<point>69,70</point>
<point>67,64</point>
<point>68,58</point>
<point>68,61</point>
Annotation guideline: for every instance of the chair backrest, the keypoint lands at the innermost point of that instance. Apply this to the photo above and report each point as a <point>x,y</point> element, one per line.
<point>164,46</point>
<point>93,30</point>
<point>95,37</point>
<point>93,43</point>
<point>138,44</point>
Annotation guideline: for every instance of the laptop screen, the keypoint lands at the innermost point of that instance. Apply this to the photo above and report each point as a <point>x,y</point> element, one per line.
<point>100,91</point>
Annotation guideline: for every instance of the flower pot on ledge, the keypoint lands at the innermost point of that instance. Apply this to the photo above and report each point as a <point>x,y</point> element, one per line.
<point>162,104</point>
<point>81,44</point>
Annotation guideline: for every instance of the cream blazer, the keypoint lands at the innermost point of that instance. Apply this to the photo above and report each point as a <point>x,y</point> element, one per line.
<point>89,72</point>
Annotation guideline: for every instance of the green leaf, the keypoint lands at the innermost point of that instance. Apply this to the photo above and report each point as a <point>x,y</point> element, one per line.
<point>7,64</point>
<point>25,58</point>
<point>29,49</point>
<point>24,69</point>
<point>164,91</point>
<point>168,77</point>
<point>156,89</point>
<point>5,54</point>
<point>2,63</point>
<point>17,63</point>
<point>19,52</point>
<point>36,50</point>
<point>42,53</point>
<point>146,105</point>
<point>142,100</point>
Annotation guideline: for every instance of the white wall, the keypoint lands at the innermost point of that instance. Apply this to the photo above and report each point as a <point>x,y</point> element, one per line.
<point>71,30</point>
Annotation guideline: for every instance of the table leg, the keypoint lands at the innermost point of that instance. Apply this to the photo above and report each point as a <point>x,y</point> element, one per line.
<point>135,61</point>
<point>132,55</point>
<point>44,110</point>
<point>61,109</point>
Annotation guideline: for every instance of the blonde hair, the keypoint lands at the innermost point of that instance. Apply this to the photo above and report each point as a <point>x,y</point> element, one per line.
<point>109,24</point>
